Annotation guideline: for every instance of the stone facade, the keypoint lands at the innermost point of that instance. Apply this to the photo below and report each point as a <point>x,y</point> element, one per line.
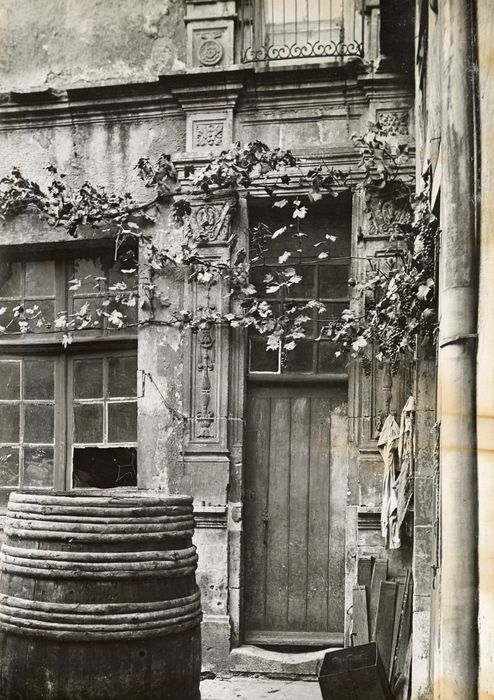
<point>144,79</point>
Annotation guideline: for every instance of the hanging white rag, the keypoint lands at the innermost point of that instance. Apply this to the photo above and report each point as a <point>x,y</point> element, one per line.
<point>388,447</point>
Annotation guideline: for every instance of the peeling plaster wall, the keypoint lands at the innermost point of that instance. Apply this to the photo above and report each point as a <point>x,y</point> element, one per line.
<point>62,43</point>
<point>104,152</point>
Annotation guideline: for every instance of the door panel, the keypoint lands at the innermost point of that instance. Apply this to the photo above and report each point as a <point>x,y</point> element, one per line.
<point>295,494</point>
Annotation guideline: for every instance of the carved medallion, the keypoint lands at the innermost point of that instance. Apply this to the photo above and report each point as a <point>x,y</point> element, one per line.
<point>210,52</point>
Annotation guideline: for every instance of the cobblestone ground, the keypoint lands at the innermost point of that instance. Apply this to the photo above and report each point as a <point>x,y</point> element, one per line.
<point>240,688</point>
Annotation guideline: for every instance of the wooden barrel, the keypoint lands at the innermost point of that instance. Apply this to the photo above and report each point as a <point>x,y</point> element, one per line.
<point>98,598</point>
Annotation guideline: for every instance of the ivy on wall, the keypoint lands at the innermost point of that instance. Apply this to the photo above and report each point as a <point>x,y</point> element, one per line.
<point>393,304</point>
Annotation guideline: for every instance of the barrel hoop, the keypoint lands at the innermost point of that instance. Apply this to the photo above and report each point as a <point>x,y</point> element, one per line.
<point>87,517</point>
<point>69,636</point>
<point>109,572</point>
<point>104,556</point>
<point>130,526</point>
<point>99,511</point>
<point>66,562</point>
<point>113,501</point>
<point>68,622</point>
<point>99,609</point>
<point>104,536</point>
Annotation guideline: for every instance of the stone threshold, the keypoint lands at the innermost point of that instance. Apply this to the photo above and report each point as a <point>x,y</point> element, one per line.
<point>248,659</point>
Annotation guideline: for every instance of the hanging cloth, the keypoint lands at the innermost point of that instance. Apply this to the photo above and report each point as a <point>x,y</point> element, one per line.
<point>395,444</point>
<point>388,447</point>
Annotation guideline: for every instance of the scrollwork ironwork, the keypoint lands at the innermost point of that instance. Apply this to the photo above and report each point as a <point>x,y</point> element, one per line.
<point>316,49</point>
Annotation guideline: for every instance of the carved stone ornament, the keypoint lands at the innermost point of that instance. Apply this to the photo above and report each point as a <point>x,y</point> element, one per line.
<point>388,209</point>
<point>210,50</point>
<point>211,222</point>
<point>393,122</point>
<point>205,416</point>
<point>208,134</point>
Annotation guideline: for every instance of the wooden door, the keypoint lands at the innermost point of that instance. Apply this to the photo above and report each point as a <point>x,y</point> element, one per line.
<point>295,495</point>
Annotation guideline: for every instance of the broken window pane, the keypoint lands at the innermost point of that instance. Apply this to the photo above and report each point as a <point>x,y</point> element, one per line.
<point>39,379</point>
<point>122,422</point>
<point>10,379</point>
<point>88,379</point>
<point>38,466</point>
<point>38,422</point>
<point>9,422</point>
<point>9,466</point>
<point>122,376</point>
<point>88,422</point>
<point>40,278</point>
<point>104,467</point>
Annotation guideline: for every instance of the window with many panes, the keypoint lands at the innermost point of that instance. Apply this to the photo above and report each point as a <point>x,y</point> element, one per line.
<point>68,413</point>
<point>324,279</point>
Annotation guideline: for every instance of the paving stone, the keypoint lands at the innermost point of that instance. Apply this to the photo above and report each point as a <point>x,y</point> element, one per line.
<point>242,688</point>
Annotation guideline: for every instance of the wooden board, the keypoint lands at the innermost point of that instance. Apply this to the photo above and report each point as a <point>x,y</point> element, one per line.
<point>299,494</point>
<point>278,533</point>
<point>309,639</point>
<point>364,571</point>
<point>400,594</point>
<point>379,573</point>
<point>360,629</point>
<point>405,629</point>
<point>385,622</point>
<point>318,515</point>
<point>255,506</point>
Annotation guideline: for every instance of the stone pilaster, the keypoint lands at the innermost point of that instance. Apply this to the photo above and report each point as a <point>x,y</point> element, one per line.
<point>209,115</point>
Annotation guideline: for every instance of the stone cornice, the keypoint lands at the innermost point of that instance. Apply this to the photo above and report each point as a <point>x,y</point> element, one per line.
<point>250,87</point>
<point>102,103</point>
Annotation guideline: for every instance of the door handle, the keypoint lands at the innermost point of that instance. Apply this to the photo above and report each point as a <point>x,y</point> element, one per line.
<point>265,521</point>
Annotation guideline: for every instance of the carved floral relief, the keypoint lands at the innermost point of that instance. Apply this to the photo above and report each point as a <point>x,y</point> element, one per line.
<point>208,134</point>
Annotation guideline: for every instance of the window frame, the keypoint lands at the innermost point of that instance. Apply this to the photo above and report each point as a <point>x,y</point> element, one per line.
<point>312,376</point>
<point>71,444</point>
<point>38,345</point>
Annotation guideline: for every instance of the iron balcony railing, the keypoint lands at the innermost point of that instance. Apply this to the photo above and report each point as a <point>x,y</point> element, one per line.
<point>273,30</point>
